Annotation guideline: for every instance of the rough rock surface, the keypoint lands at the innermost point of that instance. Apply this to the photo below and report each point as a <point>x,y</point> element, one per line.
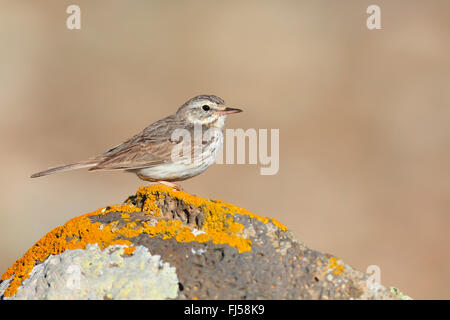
<point>100,274</point>
<point>166,244</point>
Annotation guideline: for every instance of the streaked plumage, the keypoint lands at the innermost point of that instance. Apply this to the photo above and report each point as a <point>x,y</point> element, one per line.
<point>149,153</point>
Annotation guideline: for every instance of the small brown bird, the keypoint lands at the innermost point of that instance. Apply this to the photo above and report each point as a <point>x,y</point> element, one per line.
<point>149,154</point>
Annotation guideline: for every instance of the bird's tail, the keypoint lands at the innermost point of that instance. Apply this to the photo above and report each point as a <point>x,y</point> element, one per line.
<point>67,167</point>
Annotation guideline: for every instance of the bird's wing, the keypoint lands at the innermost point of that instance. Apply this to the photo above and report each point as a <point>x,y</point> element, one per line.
<point>136,155</point>
<point>151,147</point>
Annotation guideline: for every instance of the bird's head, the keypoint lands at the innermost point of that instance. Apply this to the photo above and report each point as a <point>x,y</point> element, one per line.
<point>207,110</point>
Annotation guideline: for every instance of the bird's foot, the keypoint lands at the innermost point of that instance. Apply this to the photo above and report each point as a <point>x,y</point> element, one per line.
<point>172,185</point>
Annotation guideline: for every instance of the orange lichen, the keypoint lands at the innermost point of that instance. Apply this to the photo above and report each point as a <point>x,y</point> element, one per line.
<point>124,208</point>
<point>129,250</point>
<point>151,194</point>
<point>336,266</point>
<point>278,224</point>
<point>218,227</point>
<point>75,234</point>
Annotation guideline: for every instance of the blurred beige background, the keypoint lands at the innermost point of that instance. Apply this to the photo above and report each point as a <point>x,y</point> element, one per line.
<point>364,117</point>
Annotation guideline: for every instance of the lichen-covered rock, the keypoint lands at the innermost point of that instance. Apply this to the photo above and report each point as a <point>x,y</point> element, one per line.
<point>165,244</point>
<point>92,273</point>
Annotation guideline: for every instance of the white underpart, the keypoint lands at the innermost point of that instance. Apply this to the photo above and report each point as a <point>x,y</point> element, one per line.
<point>181,171</point>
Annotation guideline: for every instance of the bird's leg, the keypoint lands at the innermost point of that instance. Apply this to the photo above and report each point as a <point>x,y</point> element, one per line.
<point>166,183</point>
<point>172,185</point>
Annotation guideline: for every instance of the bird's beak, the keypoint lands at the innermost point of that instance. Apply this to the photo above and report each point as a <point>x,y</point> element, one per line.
<point>228,110</point>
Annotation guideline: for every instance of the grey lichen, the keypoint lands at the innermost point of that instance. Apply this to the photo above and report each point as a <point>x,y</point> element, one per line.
<point>100,274</point>
<point>397,293</point>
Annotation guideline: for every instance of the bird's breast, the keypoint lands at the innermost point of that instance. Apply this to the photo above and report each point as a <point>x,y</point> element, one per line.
<point>201,157</point>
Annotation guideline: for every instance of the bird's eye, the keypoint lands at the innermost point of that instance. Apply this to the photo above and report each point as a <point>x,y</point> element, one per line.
<point>206,107</point>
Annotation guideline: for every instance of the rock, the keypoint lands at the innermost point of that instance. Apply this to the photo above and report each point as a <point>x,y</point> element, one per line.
<point>167,244</point>
<point>92,273</point>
